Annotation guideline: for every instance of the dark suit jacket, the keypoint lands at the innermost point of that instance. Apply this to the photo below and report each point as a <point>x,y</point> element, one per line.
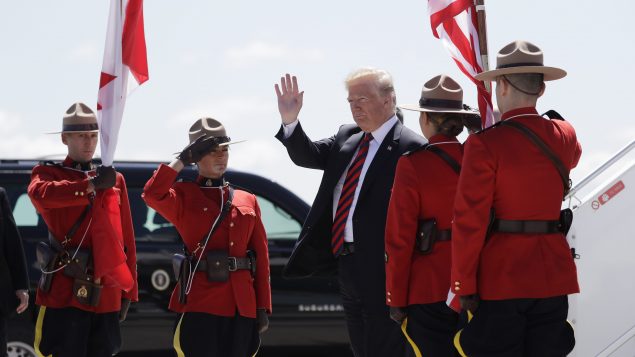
<point>312,255</point>
<point>13,271</point>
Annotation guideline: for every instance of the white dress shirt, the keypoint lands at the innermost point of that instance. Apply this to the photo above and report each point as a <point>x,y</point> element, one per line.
<point>378,137</point>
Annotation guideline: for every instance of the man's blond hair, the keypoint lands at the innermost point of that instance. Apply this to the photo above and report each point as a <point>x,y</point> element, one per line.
<point>381,77</point>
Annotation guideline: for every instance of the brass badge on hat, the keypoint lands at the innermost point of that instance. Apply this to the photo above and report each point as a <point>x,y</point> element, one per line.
<point>82,292</point>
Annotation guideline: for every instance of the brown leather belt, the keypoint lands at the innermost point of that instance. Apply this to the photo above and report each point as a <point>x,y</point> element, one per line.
<point>443,235</point>
<point>528,227</point>
<point>234,264</point>
<point>348,248</point>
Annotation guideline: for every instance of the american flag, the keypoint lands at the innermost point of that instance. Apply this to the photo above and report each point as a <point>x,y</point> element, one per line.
<point>455,23</point>
<point>124,54</point>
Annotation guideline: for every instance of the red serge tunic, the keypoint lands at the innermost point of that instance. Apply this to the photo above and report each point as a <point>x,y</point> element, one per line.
<point>424,188</point>
<point>192,209</point>
<point>504,170</point>
<point>59,195</point>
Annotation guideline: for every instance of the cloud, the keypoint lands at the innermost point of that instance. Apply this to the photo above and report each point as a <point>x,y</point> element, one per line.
<point>260,51</point>
<point>86,52</point>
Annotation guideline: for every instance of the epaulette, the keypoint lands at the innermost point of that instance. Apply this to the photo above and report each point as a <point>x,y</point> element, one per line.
<point>410,152</point>
<point>552,114</point>
<point>489,127</point>
<point>50,163</point>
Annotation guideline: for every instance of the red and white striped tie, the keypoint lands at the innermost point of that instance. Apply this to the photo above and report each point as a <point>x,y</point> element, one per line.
<point>346,198</point>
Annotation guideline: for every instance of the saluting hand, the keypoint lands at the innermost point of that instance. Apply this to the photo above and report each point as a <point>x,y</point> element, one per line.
<point>196,150</point>
<point>289,99</point>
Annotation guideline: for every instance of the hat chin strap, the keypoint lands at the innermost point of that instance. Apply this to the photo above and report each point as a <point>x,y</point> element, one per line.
<point>518,89</point>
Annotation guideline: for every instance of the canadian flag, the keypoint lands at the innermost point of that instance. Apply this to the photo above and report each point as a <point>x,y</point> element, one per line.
<point>455,23</point>
<point>124,54</point>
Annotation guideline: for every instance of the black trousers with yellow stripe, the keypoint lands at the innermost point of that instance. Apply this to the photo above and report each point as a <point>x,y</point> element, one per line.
<point>71,332</point>
<point>199,334</point>
<point>430,329</point>
<point>518,328</point>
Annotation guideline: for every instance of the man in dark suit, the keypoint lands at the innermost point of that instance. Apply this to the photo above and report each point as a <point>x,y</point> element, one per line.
<point>14,280</point>
<point>344,232</point>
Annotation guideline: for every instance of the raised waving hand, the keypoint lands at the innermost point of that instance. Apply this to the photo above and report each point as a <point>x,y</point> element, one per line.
<point>289,98</point>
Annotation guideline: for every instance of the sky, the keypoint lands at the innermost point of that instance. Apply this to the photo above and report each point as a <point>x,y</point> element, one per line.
<point>222,59</point>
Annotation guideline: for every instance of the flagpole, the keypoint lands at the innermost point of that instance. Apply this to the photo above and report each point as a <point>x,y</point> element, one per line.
<point>482,36</point>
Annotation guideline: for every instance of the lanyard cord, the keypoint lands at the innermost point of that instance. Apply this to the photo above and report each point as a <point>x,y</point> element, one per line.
<point>188,286</point>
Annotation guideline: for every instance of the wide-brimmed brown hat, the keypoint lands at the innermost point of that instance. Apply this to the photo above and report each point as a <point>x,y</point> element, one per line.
<point>210,128</point>
<point>441,94</point>
<point>521,57</point>
<point>79,118</point>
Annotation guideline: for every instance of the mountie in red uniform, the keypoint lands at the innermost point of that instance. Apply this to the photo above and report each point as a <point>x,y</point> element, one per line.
<point>414,280</point>
<point>505,172</point>
<point>192,209</point>
<point>59,193</point>
<point>218,317</point>
<point>411,277</point>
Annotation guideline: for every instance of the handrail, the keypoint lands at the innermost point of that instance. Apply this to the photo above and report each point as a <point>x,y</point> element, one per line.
<point>625,150</point>
<point>618,343</point>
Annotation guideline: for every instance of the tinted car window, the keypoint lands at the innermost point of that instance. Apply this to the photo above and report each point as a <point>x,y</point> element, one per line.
<point>24,213</point>
<point>278,223</point>
<point>148,224</point>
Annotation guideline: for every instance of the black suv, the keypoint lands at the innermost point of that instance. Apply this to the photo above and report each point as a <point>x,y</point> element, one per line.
<point>306,312</point>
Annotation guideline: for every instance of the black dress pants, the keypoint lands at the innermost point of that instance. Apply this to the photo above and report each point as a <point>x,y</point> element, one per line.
<point>518,328</point>
<point>71,332</point>
<point>370,329</point>
<point>430,329</point>
<point>200,334</point>
<point>3,335</point>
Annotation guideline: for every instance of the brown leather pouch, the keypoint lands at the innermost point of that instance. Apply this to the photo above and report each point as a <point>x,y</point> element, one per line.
<point>47,258</point>
<point>181,268</point>
<point>217,265</point>
<point>79,266</point>
<point>566,220</point>
<point>426,235</point>
<point>87,292</point>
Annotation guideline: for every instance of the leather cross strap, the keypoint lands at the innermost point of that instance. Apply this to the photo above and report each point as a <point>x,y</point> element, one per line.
<point>71,232</point>
<point>564,174</point>
<point>445,157</point>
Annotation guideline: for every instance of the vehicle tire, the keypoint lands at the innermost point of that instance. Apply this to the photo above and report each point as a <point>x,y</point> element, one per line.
<point>20,337</point>
<point>20,349</point>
